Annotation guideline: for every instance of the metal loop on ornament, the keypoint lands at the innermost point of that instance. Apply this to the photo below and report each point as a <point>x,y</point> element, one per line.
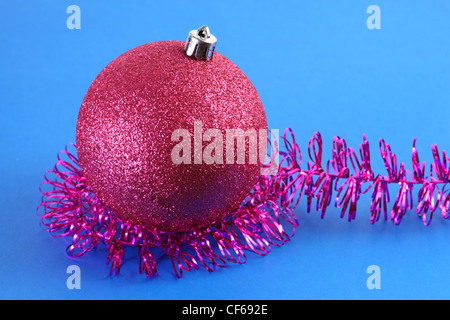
<point>200,44</point>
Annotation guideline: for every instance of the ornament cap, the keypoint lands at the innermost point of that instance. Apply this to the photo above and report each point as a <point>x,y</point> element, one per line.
<point>200,44</point>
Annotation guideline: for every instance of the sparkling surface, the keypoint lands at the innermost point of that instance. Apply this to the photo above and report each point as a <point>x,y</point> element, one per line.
<point>124,130</point>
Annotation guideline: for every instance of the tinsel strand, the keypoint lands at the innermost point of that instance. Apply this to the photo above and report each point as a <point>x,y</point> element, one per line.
<point>71,209</point>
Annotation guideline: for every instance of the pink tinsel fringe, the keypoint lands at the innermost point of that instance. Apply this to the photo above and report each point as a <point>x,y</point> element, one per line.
<point>71,209</point>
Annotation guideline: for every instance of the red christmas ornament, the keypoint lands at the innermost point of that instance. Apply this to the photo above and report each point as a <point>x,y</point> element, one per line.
<point>127,139</point>
<point>162,163</point>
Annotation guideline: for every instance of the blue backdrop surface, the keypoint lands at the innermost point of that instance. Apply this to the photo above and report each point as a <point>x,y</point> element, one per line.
<point>317,67</point>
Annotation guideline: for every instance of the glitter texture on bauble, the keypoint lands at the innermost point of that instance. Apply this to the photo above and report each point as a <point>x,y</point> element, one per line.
<point>124,129</point>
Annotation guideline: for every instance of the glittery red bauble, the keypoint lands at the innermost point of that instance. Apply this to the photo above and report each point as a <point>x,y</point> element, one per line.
<point>124,131</point>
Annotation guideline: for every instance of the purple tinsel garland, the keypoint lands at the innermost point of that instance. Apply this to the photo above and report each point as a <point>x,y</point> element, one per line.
<point>71,209</point>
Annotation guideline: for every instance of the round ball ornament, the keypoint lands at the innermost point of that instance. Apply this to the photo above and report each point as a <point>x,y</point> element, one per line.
<point>145,125</point>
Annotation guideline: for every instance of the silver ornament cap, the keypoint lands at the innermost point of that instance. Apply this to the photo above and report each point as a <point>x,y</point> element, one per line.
<point>200,44</point>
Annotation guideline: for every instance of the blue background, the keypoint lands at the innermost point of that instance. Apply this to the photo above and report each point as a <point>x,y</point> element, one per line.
<point>316,66</point>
